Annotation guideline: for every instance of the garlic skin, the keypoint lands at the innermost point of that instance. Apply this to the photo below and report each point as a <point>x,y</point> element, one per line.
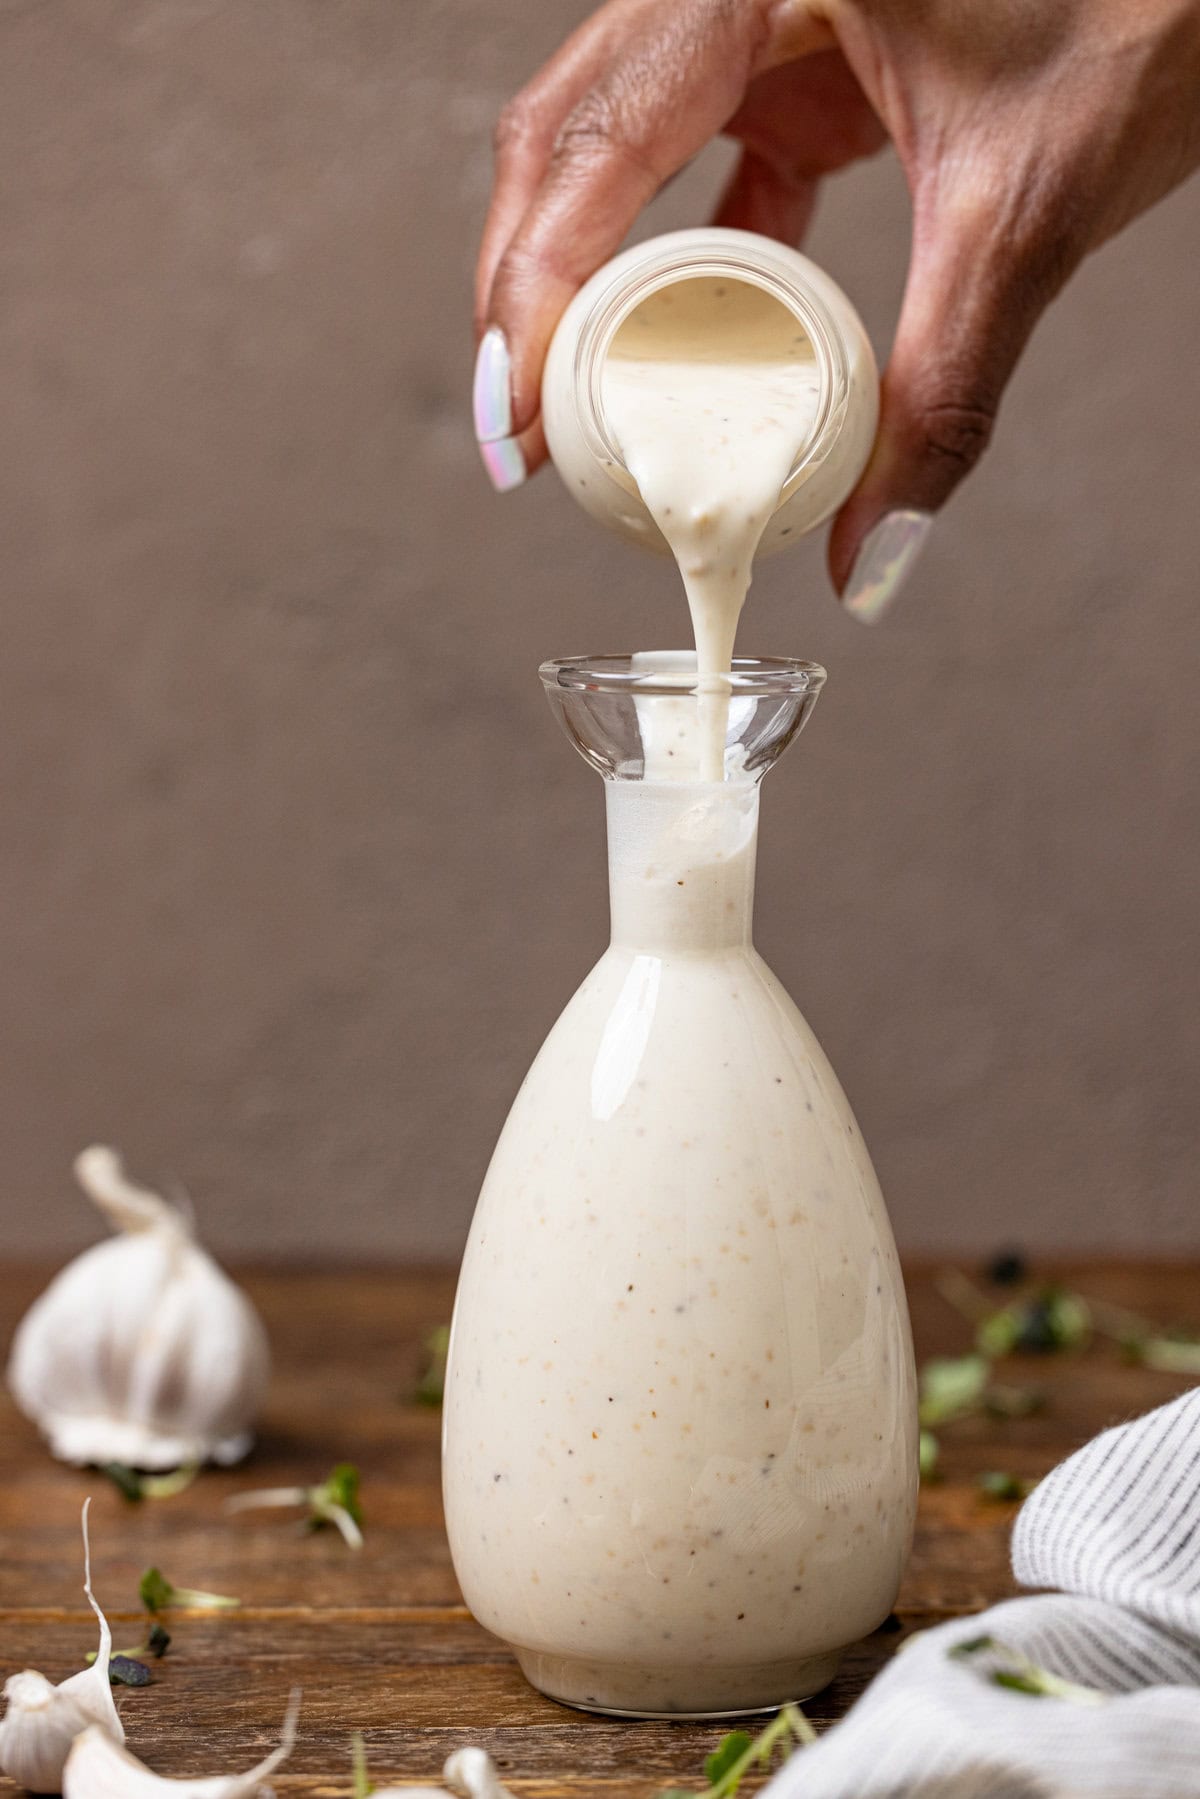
<point>472,1774</point>
<point>141,1350</point>
<point>42,1720</point>
<point>98,1768</point>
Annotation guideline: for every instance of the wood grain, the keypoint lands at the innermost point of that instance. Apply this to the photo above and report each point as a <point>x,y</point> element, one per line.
<point>381,1641</point>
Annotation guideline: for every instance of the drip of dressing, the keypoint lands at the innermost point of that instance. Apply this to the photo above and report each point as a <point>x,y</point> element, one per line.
<point>711,388</point>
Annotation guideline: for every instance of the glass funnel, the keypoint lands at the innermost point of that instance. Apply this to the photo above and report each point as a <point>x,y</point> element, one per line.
<point>680,1449</point>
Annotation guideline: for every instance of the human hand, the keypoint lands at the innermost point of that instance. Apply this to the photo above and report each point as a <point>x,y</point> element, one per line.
<point>1028,135</point>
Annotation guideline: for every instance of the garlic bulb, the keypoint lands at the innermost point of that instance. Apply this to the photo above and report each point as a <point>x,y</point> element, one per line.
<point>98,1768</point>
<point>142,1350</point>
<point>42,1720</point>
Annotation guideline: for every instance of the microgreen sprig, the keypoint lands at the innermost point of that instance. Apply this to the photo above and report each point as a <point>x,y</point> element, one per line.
<point>156,1645</point>
<point>334,1501</point>
<point>159,1595</point>
<point>358,1763</point>
<point>1054,1318</point>
<point>1000,1485</point>
<point>737,1754</point>
<point>1005,1667</point>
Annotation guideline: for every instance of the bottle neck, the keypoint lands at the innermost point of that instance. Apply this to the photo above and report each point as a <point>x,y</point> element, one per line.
<point>681,865</point>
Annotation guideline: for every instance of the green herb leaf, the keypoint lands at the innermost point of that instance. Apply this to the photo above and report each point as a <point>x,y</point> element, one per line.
<point>960,1652</point>
<point>1000,1486</point>
<point>952,1386</point>
<point>788,1726</point>
<point>135,1486</point>
<point>929,1451</point>
<point>127,1481</point>
<point>728,1751</point>
<point>998,1334</point>
<point>339,1491</point>
<point>158,1595</point>
<point>432,1384</point>
<point>1068,1318</point>
<point>126,1671</point>
<point>156,1644</point>
<point>1019,1683</point>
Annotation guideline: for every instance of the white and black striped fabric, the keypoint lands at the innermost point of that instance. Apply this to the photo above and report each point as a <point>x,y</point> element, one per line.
<point>1117,1529</point>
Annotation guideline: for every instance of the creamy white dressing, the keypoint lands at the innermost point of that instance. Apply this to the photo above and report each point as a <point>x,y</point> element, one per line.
<point>680,1432</point>
<point>680,1421</point>
<point>711,388</point>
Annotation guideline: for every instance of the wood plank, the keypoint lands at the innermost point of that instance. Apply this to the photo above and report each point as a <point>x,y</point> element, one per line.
<point>381,1641</point>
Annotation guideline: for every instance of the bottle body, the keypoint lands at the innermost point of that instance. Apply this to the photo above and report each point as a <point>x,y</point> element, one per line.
<point>582,442</point>
<point>680,1424</point>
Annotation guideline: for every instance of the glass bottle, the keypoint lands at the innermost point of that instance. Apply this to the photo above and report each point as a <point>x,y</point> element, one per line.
<point>680,1434</point>
<point>580,438</point>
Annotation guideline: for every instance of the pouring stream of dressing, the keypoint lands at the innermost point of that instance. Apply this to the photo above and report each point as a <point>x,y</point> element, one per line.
<point>711,387</point>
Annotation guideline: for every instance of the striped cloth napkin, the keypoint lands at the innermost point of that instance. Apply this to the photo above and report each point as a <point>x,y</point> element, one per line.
<point>1117,1529</point>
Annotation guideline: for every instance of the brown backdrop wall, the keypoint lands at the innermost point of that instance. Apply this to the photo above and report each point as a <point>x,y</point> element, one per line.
<point>295,869</point>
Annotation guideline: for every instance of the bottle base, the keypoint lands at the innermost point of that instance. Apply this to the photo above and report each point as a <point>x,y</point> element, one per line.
<point>624,1690</point>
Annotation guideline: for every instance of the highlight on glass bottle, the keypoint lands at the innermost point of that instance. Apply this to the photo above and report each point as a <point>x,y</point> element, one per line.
<point>680,1435</point>
<point>644,716</point>
<point>582,443</point>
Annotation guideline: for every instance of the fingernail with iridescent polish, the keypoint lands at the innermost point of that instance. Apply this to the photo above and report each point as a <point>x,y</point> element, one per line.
<point>492,404</point>
<point>884,562</point>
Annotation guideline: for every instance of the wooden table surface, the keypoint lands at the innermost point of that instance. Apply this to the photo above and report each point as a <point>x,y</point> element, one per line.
<point>380,1641</point>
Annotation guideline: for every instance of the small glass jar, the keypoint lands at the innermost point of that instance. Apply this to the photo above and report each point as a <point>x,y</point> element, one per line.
<point>582,444</point>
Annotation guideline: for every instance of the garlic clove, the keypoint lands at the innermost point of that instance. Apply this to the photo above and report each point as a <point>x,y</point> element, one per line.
<point>37,1730</point>
<point>98,1768</point>
<point>141,1350</point>
<point>42,1720</point>
<point>472,1774</point>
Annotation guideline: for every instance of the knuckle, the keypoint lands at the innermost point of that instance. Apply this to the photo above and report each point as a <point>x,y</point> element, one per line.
<point>598,128</point>
<point>517,274</point>
<point>516,125</point>
<point>589,127</point>
<point>955,431</point>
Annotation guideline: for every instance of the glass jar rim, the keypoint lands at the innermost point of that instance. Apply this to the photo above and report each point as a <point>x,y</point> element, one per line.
<point>628,289</point>
<point>762,676</point>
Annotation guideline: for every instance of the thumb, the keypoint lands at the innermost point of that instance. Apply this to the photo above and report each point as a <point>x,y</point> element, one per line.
<point>970,304</point>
